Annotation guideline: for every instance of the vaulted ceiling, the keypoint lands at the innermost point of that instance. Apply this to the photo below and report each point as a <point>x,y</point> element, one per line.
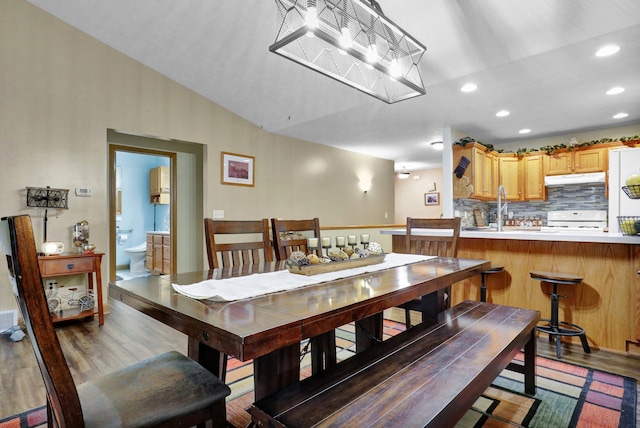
<point>533,58</point>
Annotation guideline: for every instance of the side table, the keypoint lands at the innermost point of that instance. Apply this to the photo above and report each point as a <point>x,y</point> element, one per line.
<point>74,264</point>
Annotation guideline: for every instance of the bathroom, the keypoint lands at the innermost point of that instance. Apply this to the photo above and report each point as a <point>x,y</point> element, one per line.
<point>137,214</point>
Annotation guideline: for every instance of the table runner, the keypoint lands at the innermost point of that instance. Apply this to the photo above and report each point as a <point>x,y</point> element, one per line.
<point>244,287</point>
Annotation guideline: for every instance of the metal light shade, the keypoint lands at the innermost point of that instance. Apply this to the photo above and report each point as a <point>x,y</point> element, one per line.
<point>46,197</point>
<point>352,42</point>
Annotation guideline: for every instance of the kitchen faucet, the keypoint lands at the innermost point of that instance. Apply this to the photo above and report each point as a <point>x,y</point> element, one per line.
<point>502,193</point>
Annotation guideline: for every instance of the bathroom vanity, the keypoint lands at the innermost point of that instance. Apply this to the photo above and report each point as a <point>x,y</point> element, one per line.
<point>159,252</point>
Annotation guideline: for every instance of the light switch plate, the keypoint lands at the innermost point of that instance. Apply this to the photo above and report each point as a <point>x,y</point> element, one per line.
<point>218,213</point>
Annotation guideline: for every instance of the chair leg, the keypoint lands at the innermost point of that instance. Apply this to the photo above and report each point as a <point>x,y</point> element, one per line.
<point>407,318</point>
<point>585,344</point>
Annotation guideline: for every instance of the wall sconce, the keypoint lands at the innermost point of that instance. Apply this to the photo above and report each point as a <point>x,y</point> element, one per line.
<point>46,197</point>
<point>365,185</point>
<point>404,174</point>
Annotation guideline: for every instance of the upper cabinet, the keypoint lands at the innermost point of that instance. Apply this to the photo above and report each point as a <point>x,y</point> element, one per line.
<point>159,187</point>
<point>509,176</point>
<point>476,172</point>
<point>533,177</point>
<point>577,161</point>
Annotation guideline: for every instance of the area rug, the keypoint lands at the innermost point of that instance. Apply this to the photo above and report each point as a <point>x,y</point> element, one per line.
<point>567,395</point>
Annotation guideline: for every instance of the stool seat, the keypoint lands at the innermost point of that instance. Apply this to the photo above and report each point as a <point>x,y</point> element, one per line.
<point>483,287</point>
<point>556,277</point>
<point>555,328</point>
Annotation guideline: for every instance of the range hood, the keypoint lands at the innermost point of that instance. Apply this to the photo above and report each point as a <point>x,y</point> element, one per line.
<point>562,180</point>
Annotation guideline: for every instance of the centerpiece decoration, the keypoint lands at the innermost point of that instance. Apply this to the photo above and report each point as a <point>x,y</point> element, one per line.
<point>335,259</point>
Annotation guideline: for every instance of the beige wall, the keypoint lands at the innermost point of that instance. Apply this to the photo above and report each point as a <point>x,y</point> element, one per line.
<point>60,90</point>
<point>410,195</point>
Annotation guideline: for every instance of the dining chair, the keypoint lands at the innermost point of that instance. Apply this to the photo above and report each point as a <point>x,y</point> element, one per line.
<point>442,242</point>
<point>167,390</point>
<point>237,253</point>
<point>287,236</point>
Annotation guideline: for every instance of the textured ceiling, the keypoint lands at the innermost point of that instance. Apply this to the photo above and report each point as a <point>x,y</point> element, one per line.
<point>533,58</point>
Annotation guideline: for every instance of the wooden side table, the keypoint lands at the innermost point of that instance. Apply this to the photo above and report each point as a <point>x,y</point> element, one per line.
<point>74,264</point>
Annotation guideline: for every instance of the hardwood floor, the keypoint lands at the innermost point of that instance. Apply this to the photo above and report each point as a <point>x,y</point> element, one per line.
<point>129,336</point>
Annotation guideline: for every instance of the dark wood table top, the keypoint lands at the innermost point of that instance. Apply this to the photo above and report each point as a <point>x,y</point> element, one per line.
<point>254,327</point>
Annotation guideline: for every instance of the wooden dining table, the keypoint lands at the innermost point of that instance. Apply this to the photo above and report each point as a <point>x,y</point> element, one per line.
<point>268,329</point>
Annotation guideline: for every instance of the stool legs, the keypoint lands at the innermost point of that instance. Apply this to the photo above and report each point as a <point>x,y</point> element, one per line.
<point>483,289</point>
<point>556,329</point>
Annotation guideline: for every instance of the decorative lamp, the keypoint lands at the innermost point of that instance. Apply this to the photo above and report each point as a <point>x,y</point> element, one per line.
<point>46,197</point>
<point>353,42</point>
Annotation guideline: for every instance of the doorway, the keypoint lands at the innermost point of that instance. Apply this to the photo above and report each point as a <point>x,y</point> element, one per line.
<point>185,209</point>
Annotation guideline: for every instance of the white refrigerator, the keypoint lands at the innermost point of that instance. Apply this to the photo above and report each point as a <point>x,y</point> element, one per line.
<point>622,163</point>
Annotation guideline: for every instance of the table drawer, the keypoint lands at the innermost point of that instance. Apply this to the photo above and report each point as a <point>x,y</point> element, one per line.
<point>65,266</point>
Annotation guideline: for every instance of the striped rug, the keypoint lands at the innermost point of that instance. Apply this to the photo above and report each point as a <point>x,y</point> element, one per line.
<point>567,395</point>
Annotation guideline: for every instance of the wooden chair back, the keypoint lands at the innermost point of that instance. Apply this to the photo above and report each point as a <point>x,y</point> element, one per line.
<point>433,245</point>
<point>284,247</point>
<point>237,253</point>
<point>16,235</point>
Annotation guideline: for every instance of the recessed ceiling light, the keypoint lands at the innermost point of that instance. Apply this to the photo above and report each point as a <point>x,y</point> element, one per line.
<point>437,145</point>
<point>524,131</point>
<point>469,87</point>
<point>502,113</point>
<point>615,91</point>
<point>607,50</point>
<point>620,115</point>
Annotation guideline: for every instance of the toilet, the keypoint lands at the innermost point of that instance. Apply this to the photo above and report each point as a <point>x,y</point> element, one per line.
<point>137,255</point>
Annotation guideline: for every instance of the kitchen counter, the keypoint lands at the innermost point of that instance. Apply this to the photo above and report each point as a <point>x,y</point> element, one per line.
<point>534,235</point>
<point>607,302</point>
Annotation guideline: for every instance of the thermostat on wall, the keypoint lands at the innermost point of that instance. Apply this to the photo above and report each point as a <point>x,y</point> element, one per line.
<point>83,191</point>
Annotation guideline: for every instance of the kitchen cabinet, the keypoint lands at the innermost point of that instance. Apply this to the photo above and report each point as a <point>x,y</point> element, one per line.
<point>158,259</point>
<point>577,161</point>
<point>480,178</point>
<point>533,177</point>
<point>159,185</point>
<point>509,176</point>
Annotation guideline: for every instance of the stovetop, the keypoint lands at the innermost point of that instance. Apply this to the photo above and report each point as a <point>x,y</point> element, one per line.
<point>577,220</point>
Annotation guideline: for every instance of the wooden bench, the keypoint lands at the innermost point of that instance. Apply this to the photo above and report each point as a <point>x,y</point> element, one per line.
<point>426,376</point>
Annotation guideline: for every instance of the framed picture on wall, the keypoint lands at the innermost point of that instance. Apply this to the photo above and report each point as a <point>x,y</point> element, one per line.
<point>237,169</point>
<point>432,198</point>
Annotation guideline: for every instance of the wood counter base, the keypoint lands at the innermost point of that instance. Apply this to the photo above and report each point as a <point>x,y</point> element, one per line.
<point>606,304</point>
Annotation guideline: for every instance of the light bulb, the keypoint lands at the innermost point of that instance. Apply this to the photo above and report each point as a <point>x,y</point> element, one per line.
<point>311,17</point>
<point>394,69</point>
<point>345,38</point>
<point>372,55</point>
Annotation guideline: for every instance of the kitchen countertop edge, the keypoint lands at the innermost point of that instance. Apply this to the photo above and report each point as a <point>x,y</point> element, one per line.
<point>535,235</point>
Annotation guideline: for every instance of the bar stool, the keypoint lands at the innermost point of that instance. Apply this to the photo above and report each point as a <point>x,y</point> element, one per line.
<point>483,287</point>
<point>554,326</point>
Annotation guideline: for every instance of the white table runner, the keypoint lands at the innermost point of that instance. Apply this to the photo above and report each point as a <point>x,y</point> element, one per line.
<point>244,287</point>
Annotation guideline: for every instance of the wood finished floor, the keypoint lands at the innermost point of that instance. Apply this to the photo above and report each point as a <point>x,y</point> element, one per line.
<point>129,336</point>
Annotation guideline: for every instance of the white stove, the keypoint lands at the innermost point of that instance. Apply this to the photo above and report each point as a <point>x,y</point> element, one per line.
<point>578,220</point>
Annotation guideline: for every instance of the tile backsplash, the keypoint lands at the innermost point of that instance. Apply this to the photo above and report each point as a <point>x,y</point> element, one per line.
<point>568,197</point>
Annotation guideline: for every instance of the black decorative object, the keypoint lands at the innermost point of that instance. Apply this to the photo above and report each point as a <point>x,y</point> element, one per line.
<point>462,167</point>
<point>46,197</point>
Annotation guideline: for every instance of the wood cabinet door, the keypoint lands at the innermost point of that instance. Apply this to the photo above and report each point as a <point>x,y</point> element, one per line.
<point>533,178</point>
<point>591,160</point>
<point>478,164</point>
<point>509,176</point>
<point>559,163</point>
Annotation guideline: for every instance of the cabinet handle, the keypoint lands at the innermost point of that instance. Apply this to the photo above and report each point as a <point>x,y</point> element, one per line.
<point>70,266</point>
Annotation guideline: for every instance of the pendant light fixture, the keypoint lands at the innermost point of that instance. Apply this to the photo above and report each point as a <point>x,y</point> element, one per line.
<point>353,42</point>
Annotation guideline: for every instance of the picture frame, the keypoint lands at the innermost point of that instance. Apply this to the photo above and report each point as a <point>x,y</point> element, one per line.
<point>432,198</point>
<point>237,169</point>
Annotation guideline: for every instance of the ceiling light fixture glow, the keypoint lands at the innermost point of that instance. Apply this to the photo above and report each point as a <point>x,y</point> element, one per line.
<point>469,87</point>
<point>620,115</point>
<point>615,91</point>
<point>404,174</point>
<point>607,50</point>
<point>502,113</point>
<point>524,131</point>
<point>354,43</point>
<point>437,145</point>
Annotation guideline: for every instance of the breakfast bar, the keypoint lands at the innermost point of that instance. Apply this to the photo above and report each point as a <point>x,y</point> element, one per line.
<point>607,303</point>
